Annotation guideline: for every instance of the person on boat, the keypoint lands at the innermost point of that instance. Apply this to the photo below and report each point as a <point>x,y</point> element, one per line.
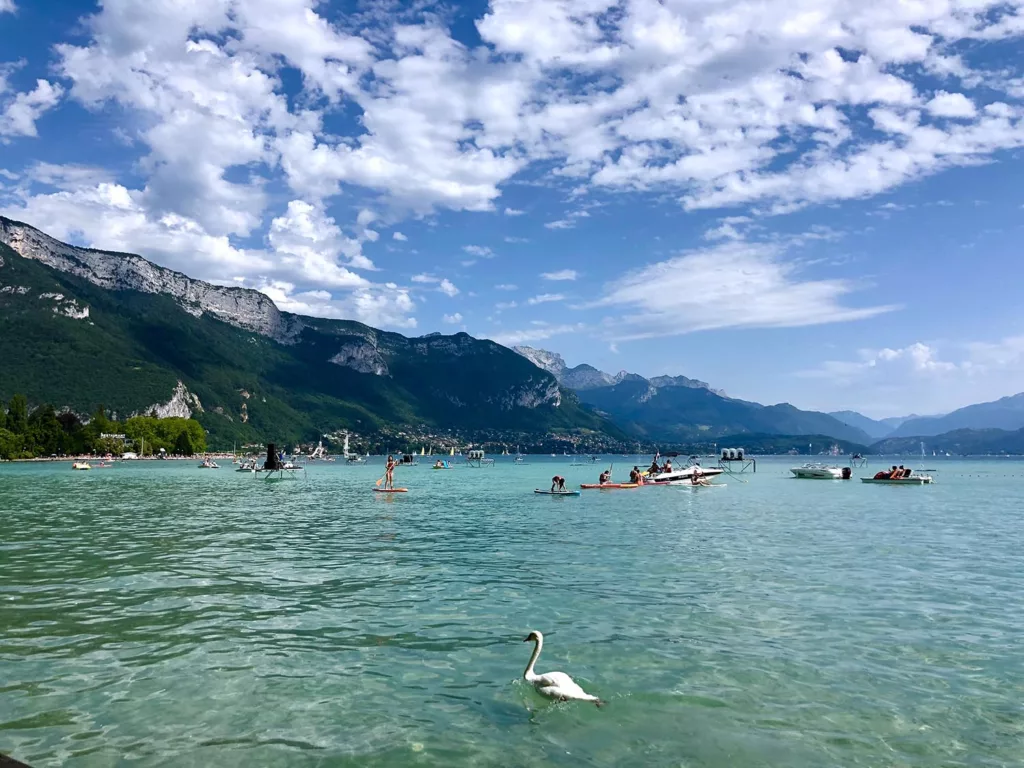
<point>605,477</point>
<point>697,478</point>
<point>894,473</point>
<point>668,465</point>
<point>389,474</point>
<point>655,469</point>
<point>438,464</point>
<point>898,473</point>
<point>558,484</point>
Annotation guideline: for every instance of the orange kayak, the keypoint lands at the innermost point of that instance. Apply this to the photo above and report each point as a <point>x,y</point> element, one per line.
<point>589,486</point>
<point>390,490</point>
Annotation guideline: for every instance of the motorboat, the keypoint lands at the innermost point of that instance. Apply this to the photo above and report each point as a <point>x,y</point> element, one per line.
<point>911,480</point>
<point>248,465</point>
<point>209,464</point>
<point>687,473</point>
<point>814,471</point>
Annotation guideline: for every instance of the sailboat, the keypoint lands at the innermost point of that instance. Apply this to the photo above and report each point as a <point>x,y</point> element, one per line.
<point>452,452</point>
<point>352,458</point>
<point>519,456</point>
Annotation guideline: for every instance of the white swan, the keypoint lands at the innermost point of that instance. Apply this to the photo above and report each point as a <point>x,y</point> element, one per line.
<point>554,685</point>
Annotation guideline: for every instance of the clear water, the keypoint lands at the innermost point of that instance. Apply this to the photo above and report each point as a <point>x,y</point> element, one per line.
<point>157,614</point>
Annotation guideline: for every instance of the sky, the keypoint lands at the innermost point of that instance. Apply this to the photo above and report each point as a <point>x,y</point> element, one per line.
<point>807,201</point>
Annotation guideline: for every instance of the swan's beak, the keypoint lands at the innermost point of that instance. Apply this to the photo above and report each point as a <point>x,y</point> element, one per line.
<point>526,640</point>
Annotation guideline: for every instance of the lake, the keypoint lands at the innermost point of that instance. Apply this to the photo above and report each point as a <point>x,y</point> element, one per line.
<point>155,614</point>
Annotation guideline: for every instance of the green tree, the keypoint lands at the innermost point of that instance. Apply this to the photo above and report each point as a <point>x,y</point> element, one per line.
<point>183,445</point>
<point>44,434</point>
<point>3,417</point>
<point>10,445</point>
<point>17,415</point>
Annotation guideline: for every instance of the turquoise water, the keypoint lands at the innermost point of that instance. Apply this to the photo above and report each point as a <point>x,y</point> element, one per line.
<point>157,614</point>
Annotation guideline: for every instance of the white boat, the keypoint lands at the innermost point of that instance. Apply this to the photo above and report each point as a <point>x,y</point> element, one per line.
<point>912,480</point>
<point>683,473</point>
<point>209,464</point>
<point>818,472</point>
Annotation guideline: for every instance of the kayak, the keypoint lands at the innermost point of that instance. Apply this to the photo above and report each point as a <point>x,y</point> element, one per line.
<point>609,486</point>
<point>390,490</point>
<point>557,493</point>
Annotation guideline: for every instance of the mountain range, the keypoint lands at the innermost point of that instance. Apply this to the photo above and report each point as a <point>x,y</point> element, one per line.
<point>81,327</point>
<point>677,408</point>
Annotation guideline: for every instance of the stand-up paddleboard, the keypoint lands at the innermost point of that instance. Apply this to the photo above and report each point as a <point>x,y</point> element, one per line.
<point>608,486</point>
<point>390,490</point>
<point>557,493</point>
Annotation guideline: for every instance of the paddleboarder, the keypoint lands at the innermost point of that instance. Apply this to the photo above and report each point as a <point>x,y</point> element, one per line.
<point>389,474</point>
<point>558,484</point>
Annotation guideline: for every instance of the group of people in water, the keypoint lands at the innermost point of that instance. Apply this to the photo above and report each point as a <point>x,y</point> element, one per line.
<point>896,473</point>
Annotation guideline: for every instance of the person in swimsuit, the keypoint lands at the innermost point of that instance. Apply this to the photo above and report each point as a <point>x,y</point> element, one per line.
<point>389,474</point>
<point>558,484</point>
<point>604,478</point>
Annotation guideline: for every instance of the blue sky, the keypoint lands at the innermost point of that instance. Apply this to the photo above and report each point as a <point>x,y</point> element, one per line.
<point>812,201</point>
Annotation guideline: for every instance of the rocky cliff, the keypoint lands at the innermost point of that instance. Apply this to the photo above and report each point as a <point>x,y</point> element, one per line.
<point>80,328</point>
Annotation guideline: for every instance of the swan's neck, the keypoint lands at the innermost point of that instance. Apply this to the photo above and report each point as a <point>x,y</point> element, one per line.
<point>533,659</point>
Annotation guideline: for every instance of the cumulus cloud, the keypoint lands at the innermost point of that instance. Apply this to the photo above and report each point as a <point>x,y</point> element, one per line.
<point>452,319</point>
<point>7,6</point>
<point>447,287</point>
<point>19,114</point>
<point>713,104</point>
<point>562,274</point>
<point>944,376</point>
<point>481,251</point>
<point>399,237</point>
<point>514,212</point>
<point>951,105</point>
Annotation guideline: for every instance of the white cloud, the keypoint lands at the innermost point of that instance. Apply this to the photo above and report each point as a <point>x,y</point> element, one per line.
<point>943,376</point>
<point>506,287</point>
<point>481,251</point>
<point>7,6</point>
<point>384,306</point>
<point>562,274</point>
<point>514,212</point>
<point>308,243</point>
<point>511,239</point>
<point>561,224</point>
<point>425,279</point>
<point>452,319</point>
<point>447,287</point>
<point>19,115</point>
<point>731,285</point>
<point>399,237</point>
<point>538,333</point>
<point>546,298</point>
<point>951,105</point>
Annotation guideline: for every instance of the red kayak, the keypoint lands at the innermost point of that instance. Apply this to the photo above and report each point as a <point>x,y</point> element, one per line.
<point>609,486</point>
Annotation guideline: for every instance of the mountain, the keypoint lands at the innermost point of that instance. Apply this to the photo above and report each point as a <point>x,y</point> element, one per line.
<point>683,409</point>
<point>588,377</point>
<point>874,428</point>
<point>687,413</point>
<point>82,327</point>
<point>958,441</point>
<point>1006,413</point>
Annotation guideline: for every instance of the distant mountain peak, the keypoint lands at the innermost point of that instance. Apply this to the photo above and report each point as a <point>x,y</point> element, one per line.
<point>585,376</point>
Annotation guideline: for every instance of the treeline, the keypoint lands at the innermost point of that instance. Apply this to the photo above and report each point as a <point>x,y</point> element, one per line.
<point>26,434</point>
